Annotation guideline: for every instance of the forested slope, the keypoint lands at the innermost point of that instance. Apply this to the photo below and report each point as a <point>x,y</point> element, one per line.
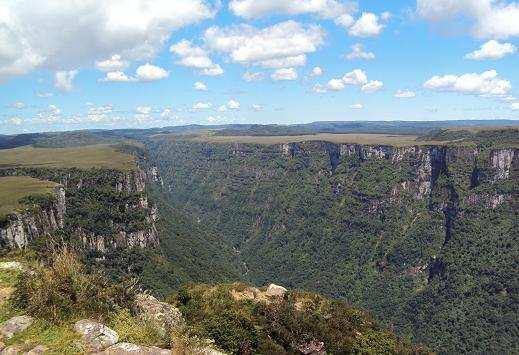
<point>424,236</point>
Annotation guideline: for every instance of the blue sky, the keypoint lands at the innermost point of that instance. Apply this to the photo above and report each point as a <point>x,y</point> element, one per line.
<point>413,60</point>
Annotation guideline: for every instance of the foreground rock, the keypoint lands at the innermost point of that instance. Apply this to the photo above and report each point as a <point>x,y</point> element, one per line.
<point>129,348</point>
<point>14,326</point>
<point>160,315</point>
<point>96,336</point>
<point>275,291</point>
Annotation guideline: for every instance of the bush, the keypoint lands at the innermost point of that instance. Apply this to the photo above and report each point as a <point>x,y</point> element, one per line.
<point>64,291</point>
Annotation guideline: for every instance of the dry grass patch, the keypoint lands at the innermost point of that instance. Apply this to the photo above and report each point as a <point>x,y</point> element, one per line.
<point>13,188</point>
<point>86,157</point>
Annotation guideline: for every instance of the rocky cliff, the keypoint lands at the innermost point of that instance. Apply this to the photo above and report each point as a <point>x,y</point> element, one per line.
<point>21,228</point>
<point>99,209</point>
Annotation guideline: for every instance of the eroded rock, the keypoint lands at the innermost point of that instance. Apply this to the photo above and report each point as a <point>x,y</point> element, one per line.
<point>160,315</point>
<point>129,348</point>
<point>14,326</point>
<point>274,290</point>
<point>96,336</point>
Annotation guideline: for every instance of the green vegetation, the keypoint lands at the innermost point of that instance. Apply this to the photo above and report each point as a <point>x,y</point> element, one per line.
<point>396,140</point>
<point>14,188</point>
<point>277,326</point>
<point>482,136</point>
<point>96,156</point>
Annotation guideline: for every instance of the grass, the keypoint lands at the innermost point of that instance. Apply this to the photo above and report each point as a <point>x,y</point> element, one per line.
<point>13,188</point>
<point>382,139</point>
<point>86,157</point>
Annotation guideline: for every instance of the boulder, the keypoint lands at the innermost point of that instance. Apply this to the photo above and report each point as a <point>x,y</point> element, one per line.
<point>96,336</point>
<point>128,348</point>
<point>14,326</point>
<point>275,291</point>
<point>40,349</point>
<point>11,266</point>
<point>160,315</point>
<point>313,348</point>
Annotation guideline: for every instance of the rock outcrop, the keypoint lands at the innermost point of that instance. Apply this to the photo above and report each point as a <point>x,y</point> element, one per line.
<point>21,228</point>
<point>96,336</point>
<point>14,326</point>
<point>162,316</point>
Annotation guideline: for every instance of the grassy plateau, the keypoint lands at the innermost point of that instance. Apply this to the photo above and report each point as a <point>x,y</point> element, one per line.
<point>13,188</point>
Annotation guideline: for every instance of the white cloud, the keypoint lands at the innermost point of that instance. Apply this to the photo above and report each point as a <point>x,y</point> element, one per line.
<point>251,9</point>
<point>278,63</point>
<point>117,76</point>
<point>44,94</point>
<point>492,50</point>
<point>47,34</point>
<point>515,106</point>
<point>256,107</point>
<point>286,42</point>
<point>233,105</point>
<point>114,64</point>
<point>100,113</point>
<point>148,72</point>
<point>18,105</point>
<point>367,25</point>
<point>357,106</point>
<point>222,108</point>
<point>509,99</point>
<point>200,86</point>
<point>372,86</point>
<point>145,110</point>
<point>201,106</point>
<point>253,76</point>
<point>192,56</point>
<point>63,80</point>
<point>487,18</point>
<point>336,85</point>
<point>319,89</point>
<point>355,77</point>
<point>316,71</point>
<point>357,52</point>
<point>485,84</point>
<point>15,121</point>
<point>284,74</point>
<point>405,94</point>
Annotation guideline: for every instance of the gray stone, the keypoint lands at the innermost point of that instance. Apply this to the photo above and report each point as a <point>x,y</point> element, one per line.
<point>160,315</point>
<point>275,291</point>
<point>129,348</point>
<point>14,326</point>
<point>96,336</point>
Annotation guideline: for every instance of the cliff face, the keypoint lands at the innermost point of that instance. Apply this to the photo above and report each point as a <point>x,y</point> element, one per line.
<point>22,228</point>
<point>415,233</point>
<point>103,210</point>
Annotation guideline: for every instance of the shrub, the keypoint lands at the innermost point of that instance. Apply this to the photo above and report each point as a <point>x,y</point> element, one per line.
<point>64,290</point>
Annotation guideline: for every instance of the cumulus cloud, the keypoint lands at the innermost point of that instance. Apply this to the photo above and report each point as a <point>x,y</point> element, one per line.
<point>356,106</point>
<point>148,72</point>
<point>358,52</point>
<point>405,94</point>
<point>200,86</point>
<point>117,76</point>
<point>488,18</point>
<point>253,76</point>
<point>336,85</point>
<point>145,110</point>
<point>113,64</point>
<point>319,89</point>
<point>192,56</point>
<point>284,74</point>
<point>372,86</point>
<point>368,25</point>
<point>355,77</point>
<point>63,80</point>
<point>492,50</point>
<point>515,106</point>
<point>15,121</point>
<point>233,105</point>
<point>316,71</point>
<point>256,107</point>
<point>251,9</point>
<point>487,83</point>
<point>201,106</point>
<point>281,45</point>
<point>47,34</point>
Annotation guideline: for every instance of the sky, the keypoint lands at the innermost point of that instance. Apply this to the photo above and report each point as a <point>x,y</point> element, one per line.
<point>81,64</point>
